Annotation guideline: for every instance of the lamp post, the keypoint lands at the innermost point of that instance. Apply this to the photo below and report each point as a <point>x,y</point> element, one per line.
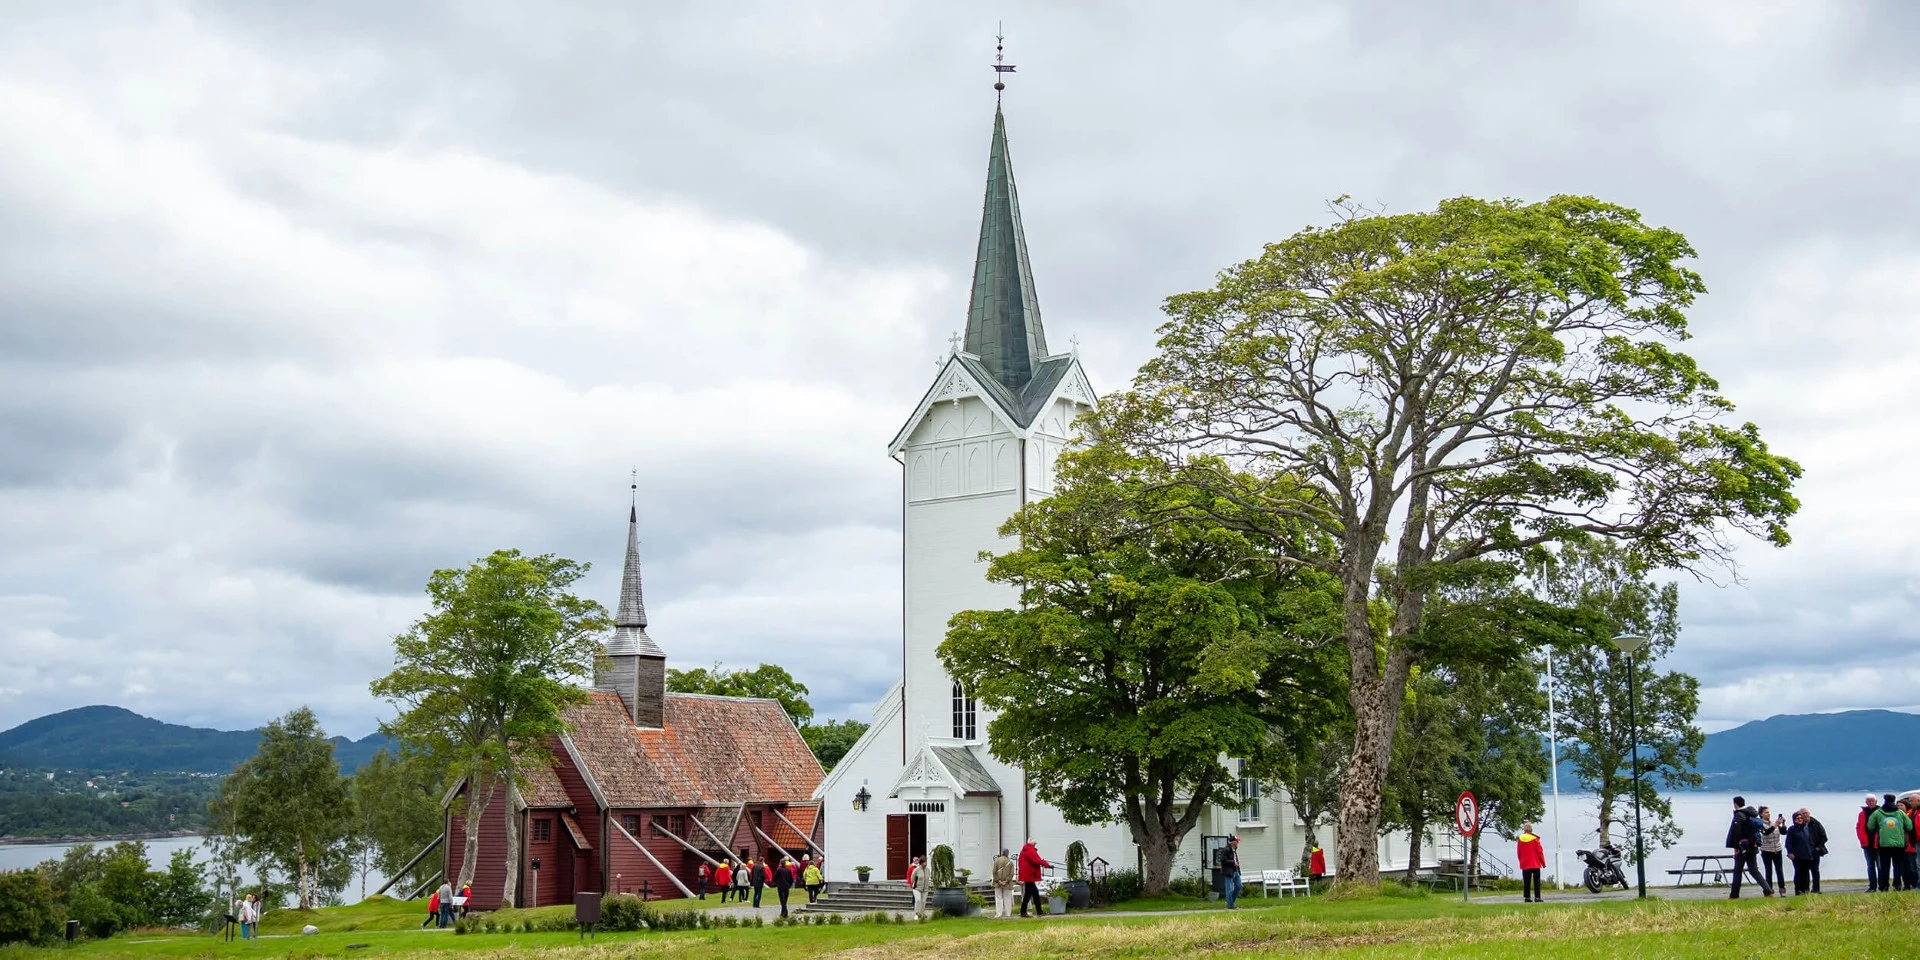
<point>1629,645</point>
<point>1553,747</point>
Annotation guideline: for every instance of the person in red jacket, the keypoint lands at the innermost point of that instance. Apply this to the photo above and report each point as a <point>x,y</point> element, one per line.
<point>1868,844</point>
<point>1533,858</point>
<point>1317,863</point>
<point>723,878</point>
<point>1030,866</point>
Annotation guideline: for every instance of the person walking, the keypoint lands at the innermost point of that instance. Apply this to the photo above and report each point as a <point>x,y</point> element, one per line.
<point>1002,886</point>
<point>1030,865</point>
<point>1533,858</point>
<point>446,905</point>
<point>1868,844</point>
<point>705,873</point>
<point>1887,826</point>
<point>1818,834</point>
<point>723,879</point>
<point>1798,841</point>
<point>814,880</point>
<point>920,881</point>
<point>466,899</point>
<point>742,877</point>
<point>1773,836</point>
<point>433,909</point>
<point>783,883</point>
<point>757,876</point>
<point>1230,872</point>
<point>1743,836</point>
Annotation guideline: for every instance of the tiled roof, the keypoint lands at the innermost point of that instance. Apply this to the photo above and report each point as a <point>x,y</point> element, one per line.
<point>712,751</point>
<point>784,836</point>
<point>573,828</point>
<point>543,789</point>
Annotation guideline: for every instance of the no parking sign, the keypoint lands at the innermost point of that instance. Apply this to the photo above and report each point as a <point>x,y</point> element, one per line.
<point>1466,814</point>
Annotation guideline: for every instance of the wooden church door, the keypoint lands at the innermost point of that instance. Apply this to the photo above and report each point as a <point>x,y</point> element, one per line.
<point>899,852</point>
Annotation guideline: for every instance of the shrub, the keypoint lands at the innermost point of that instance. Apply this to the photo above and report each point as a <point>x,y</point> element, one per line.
<point>624,911</point>
<point>1118,886</point>
<point>942,858</point>
<point>1189,884</point>
<point>28,913</point>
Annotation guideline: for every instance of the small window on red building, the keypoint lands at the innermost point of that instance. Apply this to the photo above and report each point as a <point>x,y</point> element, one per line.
<point>542,830</point>
<point>632,822</point>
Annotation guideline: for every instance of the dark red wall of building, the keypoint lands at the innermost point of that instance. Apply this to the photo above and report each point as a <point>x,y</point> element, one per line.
<point>490,869</point>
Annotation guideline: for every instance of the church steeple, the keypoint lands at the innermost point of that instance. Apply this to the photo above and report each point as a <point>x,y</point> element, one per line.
<point>636,667</point>
<point>1003,317</point>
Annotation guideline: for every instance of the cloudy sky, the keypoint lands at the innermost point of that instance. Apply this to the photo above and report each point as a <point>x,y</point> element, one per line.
<point>301,301</point>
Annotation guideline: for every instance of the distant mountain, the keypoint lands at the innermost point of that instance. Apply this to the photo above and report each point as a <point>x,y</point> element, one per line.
<point>114,738</point>
<point>1855,750</point>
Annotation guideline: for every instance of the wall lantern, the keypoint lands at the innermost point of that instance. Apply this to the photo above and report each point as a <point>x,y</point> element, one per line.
<point>860,799</point>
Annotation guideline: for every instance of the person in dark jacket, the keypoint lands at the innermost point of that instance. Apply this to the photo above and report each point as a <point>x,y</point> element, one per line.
<point>783,883</point>
<point>1744,837</point>
<point>1817,833</point>
<point>1868,845</point>
<point>757,875</point>
<point>1799,844</point>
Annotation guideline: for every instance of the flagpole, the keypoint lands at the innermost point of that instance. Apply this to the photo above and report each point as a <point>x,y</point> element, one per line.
<point>1553,741</point>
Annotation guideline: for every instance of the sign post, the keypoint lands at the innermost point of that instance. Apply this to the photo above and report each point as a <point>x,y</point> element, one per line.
<point>1466,819</point>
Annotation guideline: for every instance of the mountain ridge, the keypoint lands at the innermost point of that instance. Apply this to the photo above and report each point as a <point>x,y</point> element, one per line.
<point>106,737</point>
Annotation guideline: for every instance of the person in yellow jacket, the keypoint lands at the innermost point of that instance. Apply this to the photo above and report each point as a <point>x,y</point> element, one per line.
<point>812,880</point>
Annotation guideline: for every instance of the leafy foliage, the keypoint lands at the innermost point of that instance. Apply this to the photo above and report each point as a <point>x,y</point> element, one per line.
<point>830,741</point>
<point>485,678</point>
<point>1150,641</point>
<point>289,807</point>
<point>766,680</point>
<point>1432,390</point>
<point>396,801</point>
<point>1591,683</point>
<point>28,910</point>
<point>940,859</point>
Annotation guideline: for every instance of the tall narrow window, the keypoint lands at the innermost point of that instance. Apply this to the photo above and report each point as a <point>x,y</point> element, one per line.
<point>1249,796</point>
<point>965,715</point>
<point>542,830</point>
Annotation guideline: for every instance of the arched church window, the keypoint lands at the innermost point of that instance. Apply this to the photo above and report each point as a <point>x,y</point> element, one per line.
<point>965,715</point>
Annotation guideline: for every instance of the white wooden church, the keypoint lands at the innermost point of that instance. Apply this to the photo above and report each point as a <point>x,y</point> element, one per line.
<point>981,443</point>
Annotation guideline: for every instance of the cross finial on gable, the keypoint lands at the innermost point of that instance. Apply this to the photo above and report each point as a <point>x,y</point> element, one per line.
<point>953,343</point>
<point>1074,341</point>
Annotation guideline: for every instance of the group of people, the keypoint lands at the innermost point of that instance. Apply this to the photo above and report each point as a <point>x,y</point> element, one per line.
<point>1006,872</point>
<point>1887,837</point>
<point>1763,841</point>
<point>440,906</point>
<point>734,878</point>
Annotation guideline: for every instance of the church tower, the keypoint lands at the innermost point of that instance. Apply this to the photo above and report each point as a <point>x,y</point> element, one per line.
<point>635,667</point>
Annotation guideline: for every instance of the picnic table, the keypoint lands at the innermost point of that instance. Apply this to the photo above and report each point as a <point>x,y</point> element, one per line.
<point>1719,865</point>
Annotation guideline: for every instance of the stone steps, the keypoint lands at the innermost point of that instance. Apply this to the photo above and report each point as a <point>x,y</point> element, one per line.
<point>891,896</point>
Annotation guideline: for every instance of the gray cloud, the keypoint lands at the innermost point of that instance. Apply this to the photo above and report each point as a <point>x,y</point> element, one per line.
<point>300,301</point>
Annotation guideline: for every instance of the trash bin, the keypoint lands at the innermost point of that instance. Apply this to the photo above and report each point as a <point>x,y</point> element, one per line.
<point>73,930</point>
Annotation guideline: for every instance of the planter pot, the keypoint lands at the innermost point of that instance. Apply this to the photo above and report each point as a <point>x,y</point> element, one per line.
<point>951,901</point>
<point>864,875</point>
<point>1056,905</point>
<point>1079,894</point>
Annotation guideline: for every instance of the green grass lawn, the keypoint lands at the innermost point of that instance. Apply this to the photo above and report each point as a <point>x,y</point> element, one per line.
<point>1399,925</point>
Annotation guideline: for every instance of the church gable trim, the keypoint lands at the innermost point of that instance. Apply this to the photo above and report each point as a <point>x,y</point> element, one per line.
<point>956,381</point>
<point>925,772</point>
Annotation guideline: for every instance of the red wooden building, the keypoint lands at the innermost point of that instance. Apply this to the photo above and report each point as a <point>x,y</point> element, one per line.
<point>646,785</point>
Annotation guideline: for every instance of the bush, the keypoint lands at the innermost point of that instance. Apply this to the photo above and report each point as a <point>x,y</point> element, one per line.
<point>1190,884</point>
<point>1076,861</point>
<point>942,858</point>
<point>624,911</point>
<point>28,913</point>
<point>1118,886</point>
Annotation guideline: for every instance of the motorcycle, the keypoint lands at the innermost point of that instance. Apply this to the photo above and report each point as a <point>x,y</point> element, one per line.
<point>1605,867</point>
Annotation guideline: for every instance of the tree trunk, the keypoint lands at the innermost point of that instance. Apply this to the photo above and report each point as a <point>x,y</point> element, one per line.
<point>1376,700</point>
<point>1416,836</point>
<point>470,855</point>
<point>513,844</point>
<point>1156,860</point>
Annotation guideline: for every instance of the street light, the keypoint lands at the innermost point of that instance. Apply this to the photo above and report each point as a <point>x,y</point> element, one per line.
<point>1629,645</point>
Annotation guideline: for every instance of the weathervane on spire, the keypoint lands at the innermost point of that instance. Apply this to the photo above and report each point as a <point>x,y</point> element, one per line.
<point>633,486</point>
<point>1000,65</point>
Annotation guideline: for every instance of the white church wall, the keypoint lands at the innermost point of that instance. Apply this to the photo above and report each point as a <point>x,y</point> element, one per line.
<point>943,577</point>
<point>859,837</point>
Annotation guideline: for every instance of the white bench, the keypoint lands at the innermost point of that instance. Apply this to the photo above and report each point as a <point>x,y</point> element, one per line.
<point>1286,881</point>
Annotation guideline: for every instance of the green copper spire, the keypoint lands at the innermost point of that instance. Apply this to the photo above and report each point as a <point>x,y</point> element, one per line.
<point>1003,319</point>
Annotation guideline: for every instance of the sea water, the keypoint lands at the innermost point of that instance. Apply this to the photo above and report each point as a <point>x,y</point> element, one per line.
<point>1703,819</point>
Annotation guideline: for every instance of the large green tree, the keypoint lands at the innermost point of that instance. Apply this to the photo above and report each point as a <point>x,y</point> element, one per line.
<point>288,806</point>
<point>1591,685</point>
<point>1431,389</point>
<point>486,678</point>
<point>1150,643</point>
<point>396,799</point>
<point>830,741</point>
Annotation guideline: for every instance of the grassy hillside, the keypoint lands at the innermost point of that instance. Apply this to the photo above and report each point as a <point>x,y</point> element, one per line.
<point>113,738</point>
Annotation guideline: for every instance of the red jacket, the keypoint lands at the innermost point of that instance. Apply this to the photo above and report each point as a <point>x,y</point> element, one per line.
<point>723,876</point>
<point>1031,864</point>
<point>1317,864</point>
<point>1860,830</point>
<point>1532,855</point>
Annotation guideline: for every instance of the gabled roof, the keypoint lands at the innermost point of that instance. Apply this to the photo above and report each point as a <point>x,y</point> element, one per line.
<point>1003,315</point>
<point>965,375</point>
<point>886,709</point>
<point>784,836</point>
<point>711,751</point>
<point>954,768</point>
